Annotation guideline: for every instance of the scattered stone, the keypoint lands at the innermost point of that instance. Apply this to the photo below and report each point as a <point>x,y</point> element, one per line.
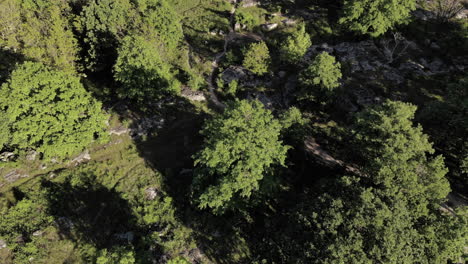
<point>118,130</point>
<point>233,73</point>
<point>327,48</point>
<point>145,126</point>
<point>31,155</point>
<point>249,3</point>
<point>14,175</point>
<point>3,244</point>
<point>43,167</point>
<point>151,193</point>
<point>7,156</point>
<point>193,95</point>
<point>237,26</point>
<point>38,233</point>
<point>84,156</point>
<point>269,26</point>
<point>289,22</point>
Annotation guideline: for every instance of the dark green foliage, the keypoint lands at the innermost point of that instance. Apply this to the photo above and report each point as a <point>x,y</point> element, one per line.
<point>241,146</point>
<point>257,58</point>
<point>375,17</point>
<point>118,255</point>
<point>451,112</point>
<point>105,23</point>
<point>140,70</point>
<point>390,214</point>
<point>295,46</point>
<point>48,111</point>
<point>321,77</point>
<point>40,30</point>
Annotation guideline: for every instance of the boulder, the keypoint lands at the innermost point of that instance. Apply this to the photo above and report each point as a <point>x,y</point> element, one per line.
<point>289,22</point>
<point>151,193</point>
<point>84,156</point>
<point>249,3</point>
<point>3,244</point>
<point>7,156</point>
<point>269,26</point>
<point>118,130</point>
<point>191,95</point>
<point>233,73</point>
<point>31,155</point>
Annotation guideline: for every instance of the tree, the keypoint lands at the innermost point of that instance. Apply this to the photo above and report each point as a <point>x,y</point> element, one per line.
<point>295,46</point>
<point>141,71</point>
<point>39,30</point>
<point>375,17</point>
<point>118,255</point>
<point>324,73</point>
<point>390,214</point>
<point>241,145</point>
<point>445,10</point>
<point>49,111</point>
<point>106,23</point>
<point>257,58</point>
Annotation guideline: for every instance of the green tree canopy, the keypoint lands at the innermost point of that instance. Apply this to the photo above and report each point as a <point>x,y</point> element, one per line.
<point>49,111</point>
<point>323,74</point>
<point>106,23</point>
<point>391,213</point>
<point>39,30</point>
<point>295,46</point>
<point>241,145</point>
<point>375,17</point>
<point>141,71</point>
<point>257,58</point>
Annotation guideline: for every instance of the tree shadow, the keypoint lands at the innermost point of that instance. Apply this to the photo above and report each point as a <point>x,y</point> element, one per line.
<point>87,211</point>
<point>9,60</point>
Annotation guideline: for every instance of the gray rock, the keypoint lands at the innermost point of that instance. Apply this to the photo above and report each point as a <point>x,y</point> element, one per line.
<point>3,244</point>
<point>193,95</point>
<point>289,22</point>
<point>151,193</point>
<point>393,76</point>
<point>7,156</point>
<point>84,156</point>
<point>233,73</point>
<point>249,3</point>
<point>14,175</point>
<point>118,130</point>
<point>282,74</point>
<point>38,233</point>
<point>327,48</point>
<point>269,26</point>
<point>31,155</point>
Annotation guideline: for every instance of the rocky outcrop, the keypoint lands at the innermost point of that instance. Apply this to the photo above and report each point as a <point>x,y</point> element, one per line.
<point>7,156</point>
<point>269,26</point>
<point>84,156</point>
<point>14,175</point>
<point>193,95</point>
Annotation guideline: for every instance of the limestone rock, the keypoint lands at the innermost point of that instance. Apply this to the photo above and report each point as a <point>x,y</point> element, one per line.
<point>269,26</point>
